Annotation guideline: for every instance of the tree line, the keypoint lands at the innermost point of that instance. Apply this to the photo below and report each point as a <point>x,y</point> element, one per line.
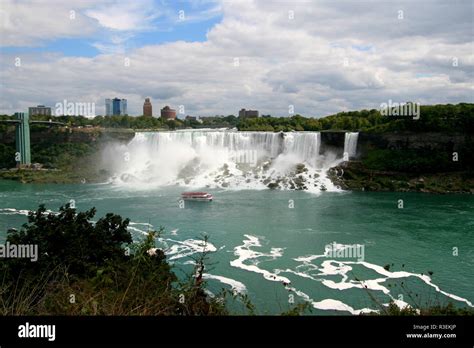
<point>442,118</point>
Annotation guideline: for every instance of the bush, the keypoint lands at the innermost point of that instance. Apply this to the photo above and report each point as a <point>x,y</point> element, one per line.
<point>98,264</point>
<point>7,156</point>
<point>70,240</point>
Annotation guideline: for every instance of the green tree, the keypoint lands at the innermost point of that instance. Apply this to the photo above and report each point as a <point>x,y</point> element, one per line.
<point>68,239</point>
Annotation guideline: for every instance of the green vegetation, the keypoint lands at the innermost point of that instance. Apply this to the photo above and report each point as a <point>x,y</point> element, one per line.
<point>131,122</point>
<point>140,122</point>
<point>87,268</point>
<point>66,156</point>
<point>62,162</point>
<point>433,118</point>
<point>280,124</point>
<point>437,310</point>
<point>7,156</point>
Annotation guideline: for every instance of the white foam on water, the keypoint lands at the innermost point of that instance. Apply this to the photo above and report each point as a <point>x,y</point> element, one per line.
<point>331,268</point>
<point>401,304</point>
<point>331,304</point>
<point>341,268</point>
<point>178,249</point>
<point>235,285</point>
<point>308,259</point>
<point>301,274</point>
<point>174,232</point>
<point>138,230</point>
<point>244,253</point>
<point>13,211</point>
<point>403,274</point>
<point>182,249</point>
<point>329,249</point>
<point>141,223</point>
<point>187,248</point>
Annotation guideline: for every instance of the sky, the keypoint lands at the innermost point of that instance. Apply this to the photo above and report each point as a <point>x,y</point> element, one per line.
<point>214,57</point>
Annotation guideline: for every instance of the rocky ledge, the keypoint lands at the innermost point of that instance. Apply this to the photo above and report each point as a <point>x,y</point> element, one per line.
<point>355,176</point>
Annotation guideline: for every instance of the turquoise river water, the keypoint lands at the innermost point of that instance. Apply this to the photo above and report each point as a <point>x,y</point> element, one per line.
<point>281,246</point>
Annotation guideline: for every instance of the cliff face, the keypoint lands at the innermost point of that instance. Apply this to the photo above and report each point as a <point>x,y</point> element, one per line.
<point>409,161</point>
<point>332,141</point>
<point>409,140</point>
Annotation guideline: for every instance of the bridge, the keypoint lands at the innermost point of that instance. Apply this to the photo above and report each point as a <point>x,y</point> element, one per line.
<point>22,136</point>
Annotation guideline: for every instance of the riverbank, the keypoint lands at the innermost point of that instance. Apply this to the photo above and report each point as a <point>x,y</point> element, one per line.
<point>62,156</point>
<point>354,176</point>
<point>55,176</point>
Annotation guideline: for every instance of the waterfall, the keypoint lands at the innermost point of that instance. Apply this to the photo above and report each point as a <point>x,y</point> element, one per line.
<point>304,145</point>
<point>222,158</point>
<point>350,145</point>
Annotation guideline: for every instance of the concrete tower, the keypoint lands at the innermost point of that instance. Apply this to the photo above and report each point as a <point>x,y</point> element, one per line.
<point>23,138</point>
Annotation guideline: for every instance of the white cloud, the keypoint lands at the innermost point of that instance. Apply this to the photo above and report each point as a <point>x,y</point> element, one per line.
<point>125,15</point>
<point>29,23</point>
<point>283,61</point>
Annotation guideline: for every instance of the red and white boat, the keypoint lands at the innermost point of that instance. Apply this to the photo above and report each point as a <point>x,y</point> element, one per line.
<point>196,196</point>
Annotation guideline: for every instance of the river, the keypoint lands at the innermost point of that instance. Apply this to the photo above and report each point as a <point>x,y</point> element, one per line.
<point>280,245</point>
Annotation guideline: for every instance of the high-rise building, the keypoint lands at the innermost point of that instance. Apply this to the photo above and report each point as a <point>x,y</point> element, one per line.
<point>115,107</point>
<point>108,107</point>
<point>123,107</point>
<point>39,110</point>
<point>147,108</point>
<point>167,113</point>
<point>248,113</point>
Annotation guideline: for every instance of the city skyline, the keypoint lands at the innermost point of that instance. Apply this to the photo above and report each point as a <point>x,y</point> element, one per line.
<point>214,57</point>
<point>119,107</point>
<point>116,106</point>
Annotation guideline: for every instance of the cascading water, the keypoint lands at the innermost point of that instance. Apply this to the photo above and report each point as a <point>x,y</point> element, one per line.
<point>223,158</point>
<point>350,144</point>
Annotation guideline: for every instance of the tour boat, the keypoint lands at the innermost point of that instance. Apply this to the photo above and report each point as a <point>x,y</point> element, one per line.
<point>196,196</point>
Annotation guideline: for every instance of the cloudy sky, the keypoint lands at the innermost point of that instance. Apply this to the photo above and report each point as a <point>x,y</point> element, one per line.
<point>215,57</point>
